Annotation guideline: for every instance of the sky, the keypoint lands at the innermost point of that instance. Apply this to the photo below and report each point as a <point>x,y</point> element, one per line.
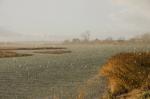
<point>56,20</point>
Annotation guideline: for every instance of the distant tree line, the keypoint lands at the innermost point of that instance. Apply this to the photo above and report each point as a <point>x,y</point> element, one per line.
<point>85,38</point>
<point>141,38</point>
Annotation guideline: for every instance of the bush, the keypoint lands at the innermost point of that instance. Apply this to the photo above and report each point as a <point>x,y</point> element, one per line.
<point>126,71</point>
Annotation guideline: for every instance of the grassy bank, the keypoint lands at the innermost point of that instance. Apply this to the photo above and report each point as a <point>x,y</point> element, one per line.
<point>126,72</point>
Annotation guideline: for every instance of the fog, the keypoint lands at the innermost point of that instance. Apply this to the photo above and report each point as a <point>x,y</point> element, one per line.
<point>57,20</point>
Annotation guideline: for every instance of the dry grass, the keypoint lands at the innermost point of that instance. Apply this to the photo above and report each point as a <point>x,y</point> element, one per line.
<point>127,71</point>
<point>34,48</point>
<point>53,52</point>
<point>5,54</point>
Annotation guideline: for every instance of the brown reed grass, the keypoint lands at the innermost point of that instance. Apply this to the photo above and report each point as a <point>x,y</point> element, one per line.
<point>127,71</point>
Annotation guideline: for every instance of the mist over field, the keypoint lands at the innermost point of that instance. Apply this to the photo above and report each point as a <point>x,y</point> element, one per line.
<point>55,20</point>
<point>74,49</point>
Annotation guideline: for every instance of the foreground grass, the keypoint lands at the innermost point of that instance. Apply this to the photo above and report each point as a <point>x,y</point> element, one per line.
<point>127,71</point>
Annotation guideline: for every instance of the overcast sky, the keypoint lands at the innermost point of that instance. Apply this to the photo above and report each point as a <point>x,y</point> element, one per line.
<point>63,19</point>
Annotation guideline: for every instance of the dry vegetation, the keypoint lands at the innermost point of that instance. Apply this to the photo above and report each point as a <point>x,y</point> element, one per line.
<point>127,71</point>
<point>34,48</point>
<point>53,52</point>
<point>4,54</point>
<point>12,51</point>
<point>128,75</point>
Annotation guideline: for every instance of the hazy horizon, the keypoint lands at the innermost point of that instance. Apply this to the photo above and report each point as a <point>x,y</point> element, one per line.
<point>57,20</point>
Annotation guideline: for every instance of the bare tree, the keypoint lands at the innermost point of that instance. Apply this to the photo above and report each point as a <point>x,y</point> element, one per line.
<point>86,36</point>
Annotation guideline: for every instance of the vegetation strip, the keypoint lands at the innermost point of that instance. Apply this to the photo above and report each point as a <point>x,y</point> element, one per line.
<point>53,52</point>
<point>36,48</point>
<point>5,54</point>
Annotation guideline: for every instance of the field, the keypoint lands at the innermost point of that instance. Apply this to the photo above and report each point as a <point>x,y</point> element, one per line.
<point>57,76</point>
